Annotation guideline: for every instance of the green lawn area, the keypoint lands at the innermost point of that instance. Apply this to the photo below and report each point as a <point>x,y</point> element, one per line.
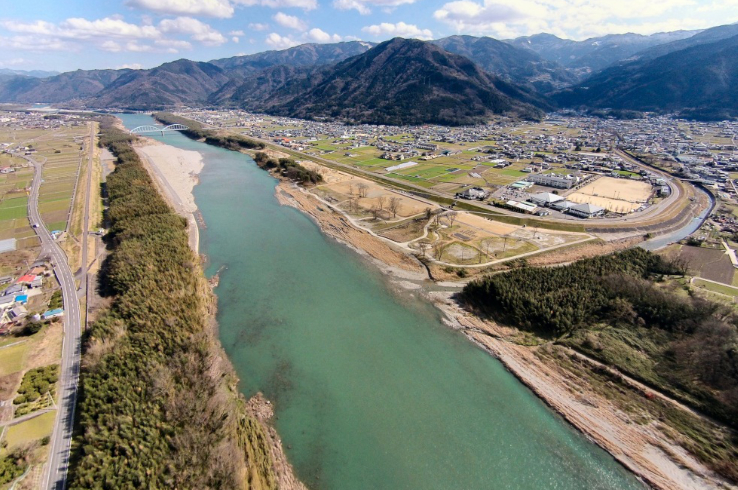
<point>626,173</point>
<point>30,430</point>
<point>716,288</point>
<point>512,172</point>
<point>14,208</point>
<point>11,358</point>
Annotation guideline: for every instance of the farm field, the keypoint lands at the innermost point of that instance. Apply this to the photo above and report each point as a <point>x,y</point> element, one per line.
<point>61,154</point>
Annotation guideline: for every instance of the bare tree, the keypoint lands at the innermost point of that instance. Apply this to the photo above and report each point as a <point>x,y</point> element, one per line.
<point>428,213</point>
<point>382,202</point>
<point>423,245</point>
<point>437,249</point>
<point>451,217</point>
<point>351,189</point>
<point>362,189</point>
<point>375,211</point>
<point>353,205</point>
<point>394,205</point>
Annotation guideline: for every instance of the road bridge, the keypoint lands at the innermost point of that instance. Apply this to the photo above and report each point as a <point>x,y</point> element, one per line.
<point>159,129</point>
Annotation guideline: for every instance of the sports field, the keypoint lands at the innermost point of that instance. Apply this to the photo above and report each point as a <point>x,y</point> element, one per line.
<point>616,195</point>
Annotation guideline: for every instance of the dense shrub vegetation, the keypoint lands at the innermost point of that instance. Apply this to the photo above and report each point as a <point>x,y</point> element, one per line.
<point>195,131</point>
<point>13,465</point>
<point>288,168</point>
<point>615,309</point>
<point>37,383</point>
<point>158,404</point>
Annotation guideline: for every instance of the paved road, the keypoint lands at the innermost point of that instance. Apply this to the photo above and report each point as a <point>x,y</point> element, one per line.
<point>84,265</point>
<point>61,437</point>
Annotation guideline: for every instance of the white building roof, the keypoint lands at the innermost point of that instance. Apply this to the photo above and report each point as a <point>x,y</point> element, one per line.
<point>546,197</point>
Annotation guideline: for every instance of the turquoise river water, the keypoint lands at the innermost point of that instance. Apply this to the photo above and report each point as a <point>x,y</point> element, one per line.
<point>371,390</point>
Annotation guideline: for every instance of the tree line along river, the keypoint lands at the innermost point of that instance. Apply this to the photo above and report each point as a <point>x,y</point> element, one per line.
<point>371,390</point>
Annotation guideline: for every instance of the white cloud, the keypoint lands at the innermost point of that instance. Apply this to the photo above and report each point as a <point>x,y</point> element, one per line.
<point>135,47</point>
<point>364,6</point>
<point>175,44</point>
<point>320,36</point>
<point>235,39</point>
<point>78,28</point>
<point>111,46</point>
<point>278,4</point>
<point>236,33</point>
<point>14,62</point>
<point>258,27</point>
<point>400,29</point>
<point>280,42</point>
<point>210,8</point>
<point>131,66</point>
<point>289,21</point>
<point>576,19</point>
<point>197,30</point>
<point>34,43</point>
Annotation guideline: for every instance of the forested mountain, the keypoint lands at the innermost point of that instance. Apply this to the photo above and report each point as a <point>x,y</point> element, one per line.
<point>68,86</point>
<point>28,73</point>
<point>596,53</point>
<point>510,63</point>
<point>406,81</point>
<point>699,81</point>
<point>707,36</point>
<point>274,85</point>
<point>454,80</point>
<point>181,82</point>
<point>303,55</point>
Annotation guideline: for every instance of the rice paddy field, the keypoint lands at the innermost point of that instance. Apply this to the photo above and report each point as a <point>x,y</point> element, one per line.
<point>61,152</point>
<point>14,201</point>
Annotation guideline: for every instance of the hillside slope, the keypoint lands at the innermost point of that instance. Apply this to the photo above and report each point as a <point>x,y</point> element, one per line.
<point>698,82</point>
<point>181,82</point>
<point>72,85</point>
<point>404,82</point>
<point>510,63</point>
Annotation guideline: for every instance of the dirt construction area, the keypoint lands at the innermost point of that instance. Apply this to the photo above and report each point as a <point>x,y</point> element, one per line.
<point>616,195</point>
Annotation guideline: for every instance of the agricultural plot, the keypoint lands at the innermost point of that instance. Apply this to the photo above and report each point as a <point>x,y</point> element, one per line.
<point>62,154</point>
<point>14,200</point>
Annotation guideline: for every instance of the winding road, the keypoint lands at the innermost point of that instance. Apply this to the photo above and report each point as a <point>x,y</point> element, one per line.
<point>61,437</point>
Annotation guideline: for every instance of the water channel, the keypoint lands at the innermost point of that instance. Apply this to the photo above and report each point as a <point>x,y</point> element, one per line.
<point>371,390</point>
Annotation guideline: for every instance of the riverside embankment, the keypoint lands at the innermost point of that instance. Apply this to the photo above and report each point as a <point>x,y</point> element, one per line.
<point>370,388</point>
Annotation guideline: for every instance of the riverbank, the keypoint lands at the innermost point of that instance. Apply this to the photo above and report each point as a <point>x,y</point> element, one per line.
<point>645,449</point>
<point>642,448</point>
<point>175,171</point>
<point>338,226</point>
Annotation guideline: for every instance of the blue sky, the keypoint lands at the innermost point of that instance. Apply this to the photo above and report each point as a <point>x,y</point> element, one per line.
<point>70,34</point>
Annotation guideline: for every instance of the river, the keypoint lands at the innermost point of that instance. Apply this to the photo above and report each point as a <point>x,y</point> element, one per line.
<point>371,390</point>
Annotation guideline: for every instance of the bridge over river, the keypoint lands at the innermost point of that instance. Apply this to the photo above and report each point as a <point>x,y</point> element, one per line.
<point>158,129</point>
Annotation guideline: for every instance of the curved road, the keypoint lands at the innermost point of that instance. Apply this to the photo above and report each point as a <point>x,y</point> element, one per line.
<point>61,437</point>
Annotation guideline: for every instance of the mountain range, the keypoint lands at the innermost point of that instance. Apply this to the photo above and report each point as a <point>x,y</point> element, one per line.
<point>454,80</point>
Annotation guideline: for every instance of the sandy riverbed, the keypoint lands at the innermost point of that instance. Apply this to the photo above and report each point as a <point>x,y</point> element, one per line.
<point>175,171</point>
